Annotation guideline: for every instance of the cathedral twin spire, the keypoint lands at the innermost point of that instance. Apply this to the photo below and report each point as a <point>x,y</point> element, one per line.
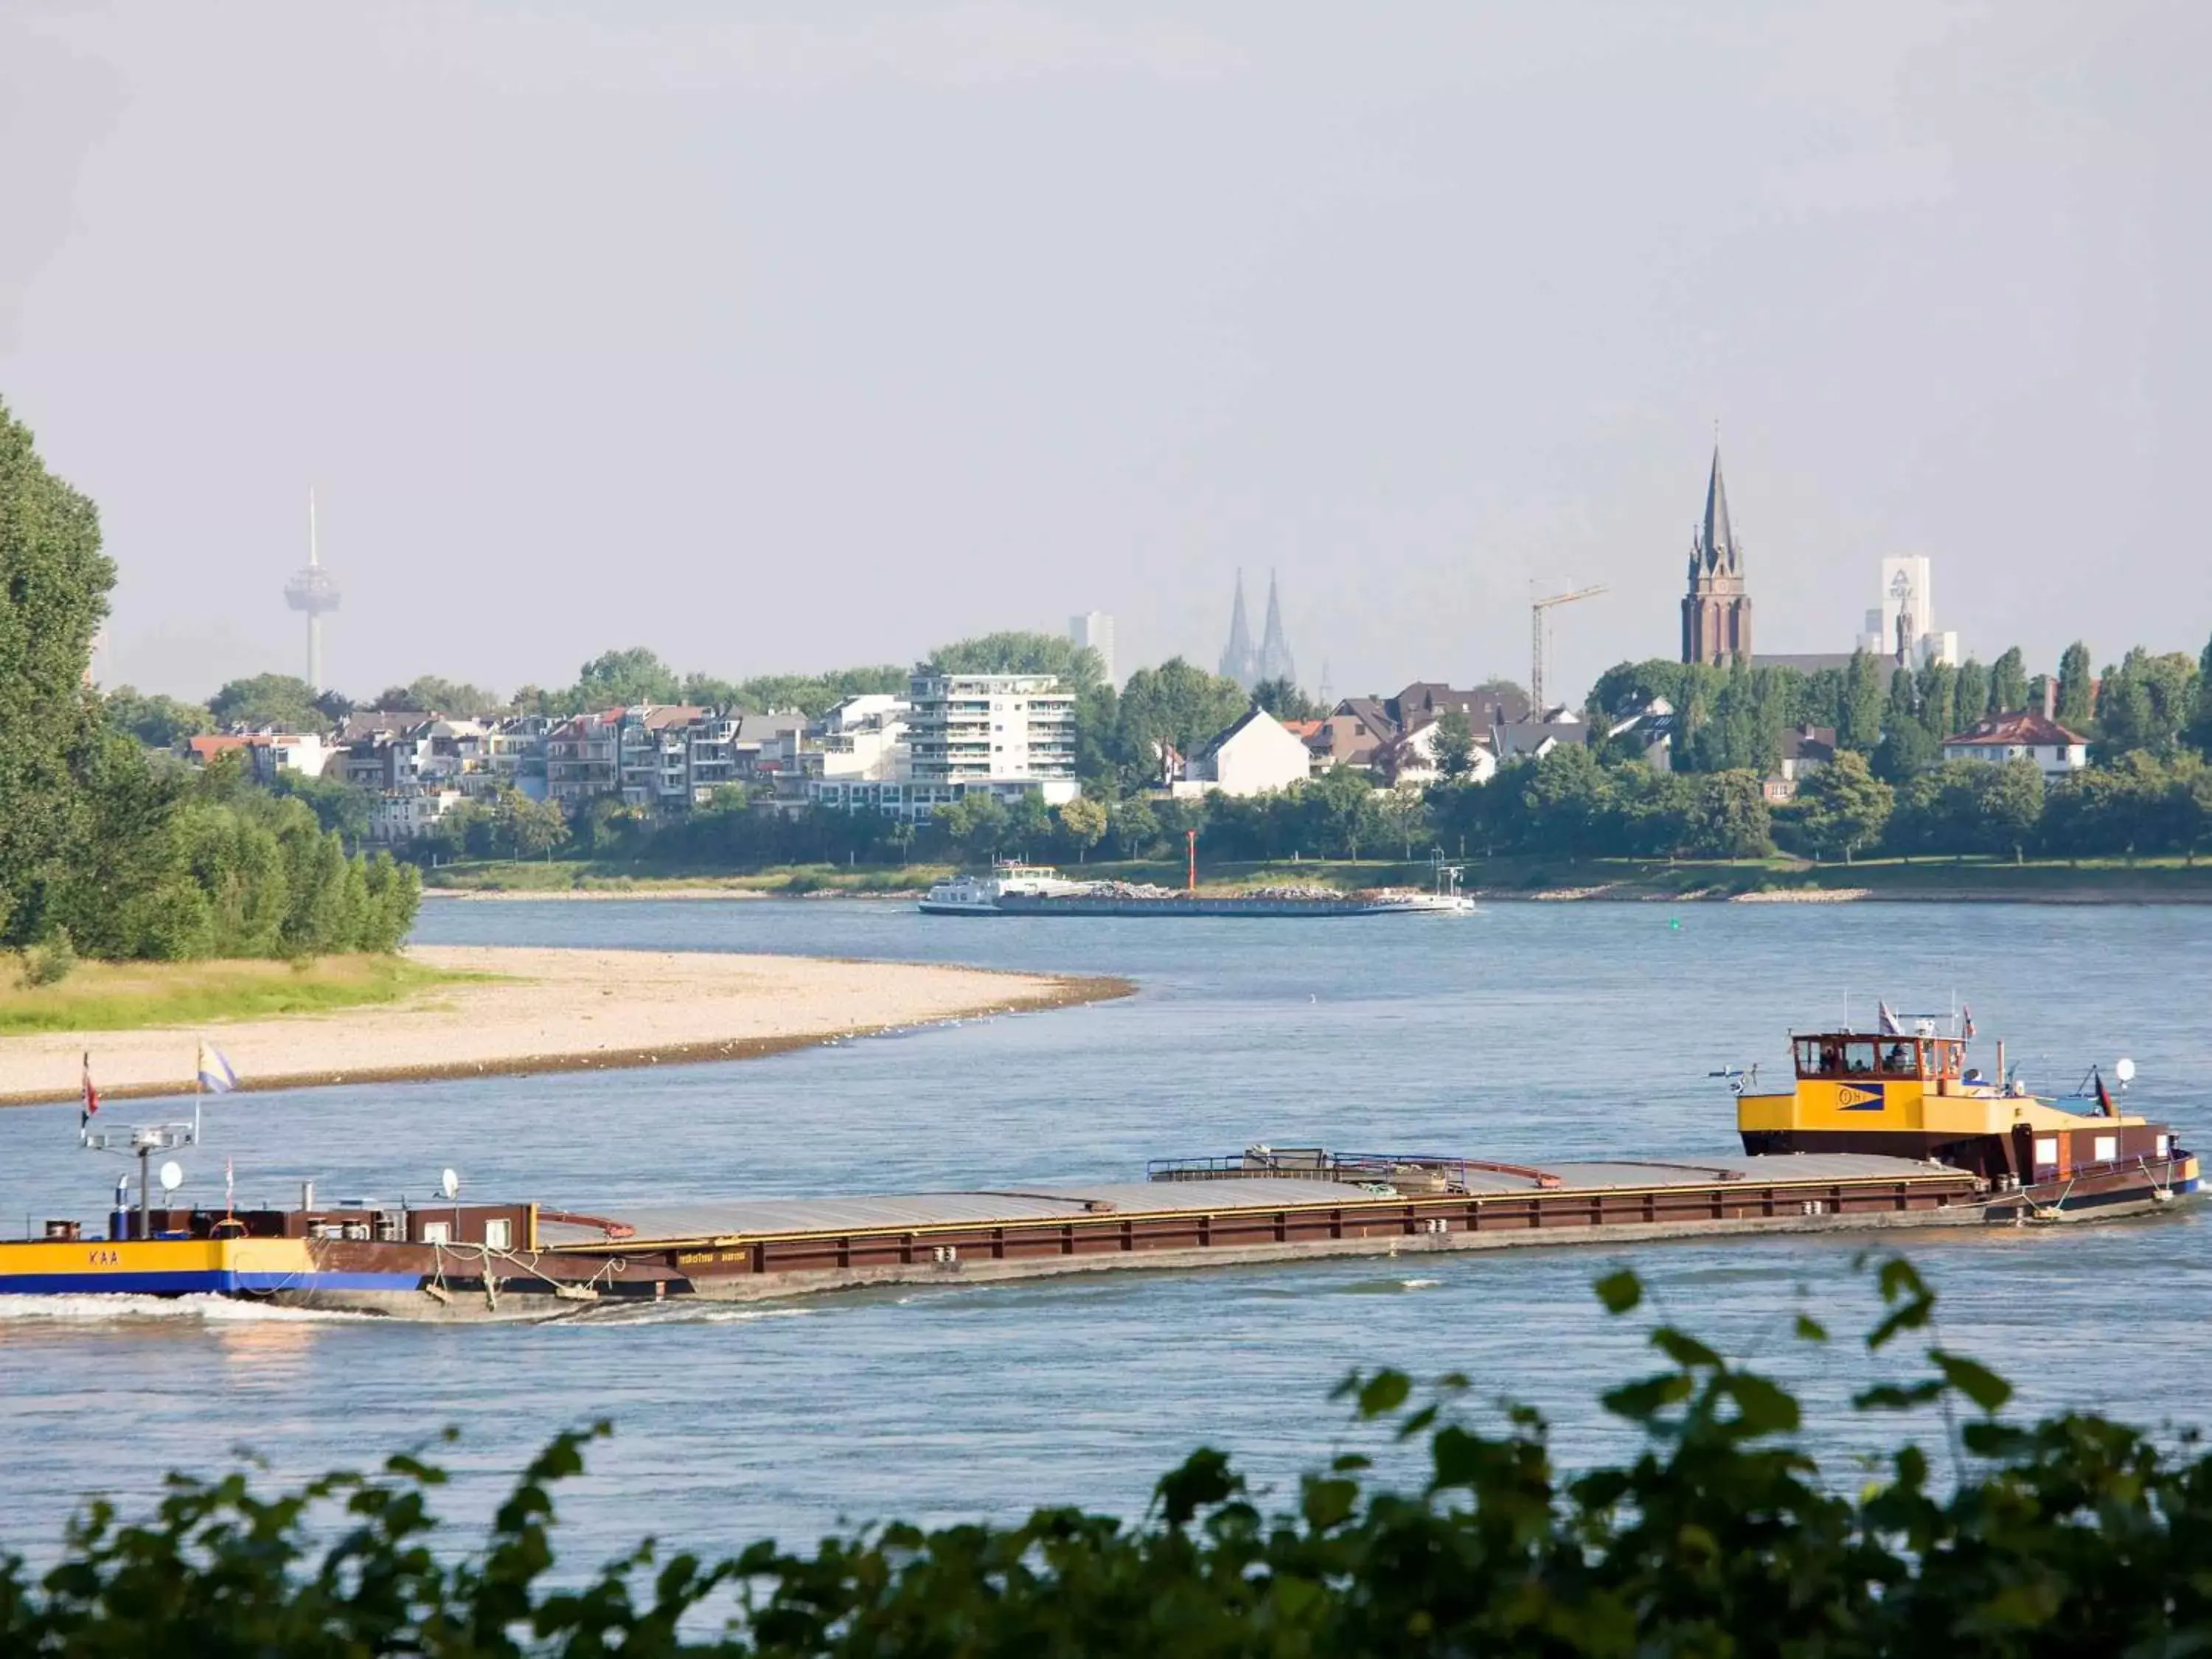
<point>1272,660</point>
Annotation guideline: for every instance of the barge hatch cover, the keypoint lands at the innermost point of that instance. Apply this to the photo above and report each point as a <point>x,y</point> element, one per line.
<point>1029,1205</point>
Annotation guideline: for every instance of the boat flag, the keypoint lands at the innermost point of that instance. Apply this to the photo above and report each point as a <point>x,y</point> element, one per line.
<point>215,1073</point>
<point>1969,1013</point>
<point>1889,1025</point>
<point>91,1095</point>
<point>2104,1099</point>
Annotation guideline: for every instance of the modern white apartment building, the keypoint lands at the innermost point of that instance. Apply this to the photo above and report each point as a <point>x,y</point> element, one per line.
<point>990,729</point>
<point>1096,629</point>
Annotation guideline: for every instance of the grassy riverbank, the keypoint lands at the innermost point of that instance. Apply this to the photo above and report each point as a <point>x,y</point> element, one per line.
<point>614,878</point>
<point>2088,881</point>
<point>126,996</point>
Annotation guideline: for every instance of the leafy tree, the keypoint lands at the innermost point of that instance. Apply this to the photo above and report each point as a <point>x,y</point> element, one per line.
<point>1028,821</point>
<point>53,592</point>
<point>2192,801</point>
<point>1742,732</point>
<point>1401,817</point>
<point>157,721</point>
<point>1730,819</point>
<point>1285,701</point>
<point>1567,796</point>
<point>1860,727</point>
<point>2145,704</point>
<point>1454,746</point>
<point>1346,810</point>
<point>1937,687</point>
<point>337,803</point>
<point>977,823</point>
<point>429,693</point>
<point>2009,683</point>
<point>530,827</point>
<point>811,695</point>
<point>619,679</point>
<point>1083,822</point>
<point>2200,723</point>
<point>1843,806</point>
<point>284,701</point>
<point>1973,694</point>
<point>1078,666</point>
<point>1630,685</point>
<point>1904,750</point>
<point>2012,806</point>
<point>2076,691</point>
<point>1905,747</point>
<point>1133,824</point>
<point>1176,704</point>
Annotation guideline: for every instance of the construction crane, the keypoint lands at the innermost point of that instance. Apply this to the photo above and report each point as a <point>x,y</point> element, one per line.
<point>1537,652</point>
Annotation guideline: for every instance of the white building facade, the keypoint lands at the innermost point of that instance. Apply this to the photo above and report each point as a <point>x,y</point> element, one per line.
<point>2059,752</point>
<point>1254,756</point>
<point>864,739</point>
<point>1902,626</point>
<point>982,728</point>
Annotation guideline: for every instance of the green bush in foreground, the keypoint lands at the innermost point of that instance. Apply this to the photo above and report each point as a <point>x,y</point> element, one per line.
<point>2074,1536</point>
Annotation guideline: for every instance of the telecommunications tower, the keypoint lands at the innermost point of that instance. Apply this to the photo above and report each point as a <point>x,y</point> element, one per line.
<point>313,590</point>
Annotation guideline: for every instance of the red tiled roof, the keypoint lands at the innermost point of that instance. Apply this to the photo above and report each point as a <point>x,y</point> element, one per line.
<point>2025,729</point>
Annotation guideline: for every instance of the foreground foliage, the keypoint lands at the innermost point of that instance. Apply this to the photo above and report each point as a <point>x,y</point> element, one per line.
<point>2073,1536</point>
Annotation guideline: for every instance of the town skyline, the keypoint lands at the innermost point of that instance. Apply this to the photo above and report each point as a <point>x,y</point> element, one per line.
<point>1252,313</point>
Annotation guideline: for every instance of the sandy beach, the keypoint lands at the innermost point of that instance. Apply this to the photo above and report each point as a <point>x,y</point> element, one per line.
<point>548,1010</point>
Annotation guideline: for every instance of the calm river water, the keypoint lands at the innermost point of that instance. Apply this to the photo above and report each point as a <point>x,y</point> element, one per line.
<point>1527,1031</point>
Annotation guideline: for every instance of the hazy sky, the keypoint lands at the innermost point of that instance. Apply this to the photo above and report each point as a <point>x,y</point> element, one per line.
<point>783,336</point>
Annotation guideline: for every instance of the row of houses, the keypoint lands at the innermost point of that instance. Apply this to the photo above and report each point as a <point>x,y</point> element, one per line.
<point>950,736</point>
<point>955,735</point>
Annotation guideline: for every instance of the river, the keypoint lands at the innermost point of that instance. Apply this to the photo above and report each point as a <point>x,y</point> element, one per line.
<point>1525,1032</point>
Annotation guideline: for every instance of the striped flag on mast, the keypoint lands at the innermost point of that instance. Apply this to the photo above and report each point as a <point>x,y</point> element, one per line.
<point>215,1073</point>
<point>91,1097</point>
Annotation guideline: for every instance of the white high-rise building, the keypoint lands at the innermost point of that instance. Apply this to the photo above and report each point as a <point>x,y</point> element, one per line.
<point>992,728</point>
<point>1903,627</point>
<point>1096,629</point>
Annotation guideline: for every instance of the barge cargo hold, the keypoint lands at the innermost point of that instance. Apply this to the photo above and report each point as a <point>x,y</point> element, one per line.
<point>1826,1156</point>
<point>522,1261</point>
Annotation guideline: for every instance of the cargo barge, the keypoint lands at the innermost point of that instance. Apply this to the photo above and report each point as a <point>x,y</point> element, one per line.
<point>1030,890</point>
<point>2028,1162</point>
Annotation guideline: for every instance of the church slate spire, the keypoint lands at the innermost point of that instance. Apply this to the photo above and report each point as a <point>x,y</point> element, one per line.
<point>1239,662</point>
<point>1716,610</point>
<point>1717,538</point>
<point>1275,662</point>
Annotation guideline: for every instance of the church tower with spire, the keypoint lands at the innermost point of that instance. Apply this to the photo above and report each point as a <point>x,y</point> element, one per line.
<point>1715,611</point>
